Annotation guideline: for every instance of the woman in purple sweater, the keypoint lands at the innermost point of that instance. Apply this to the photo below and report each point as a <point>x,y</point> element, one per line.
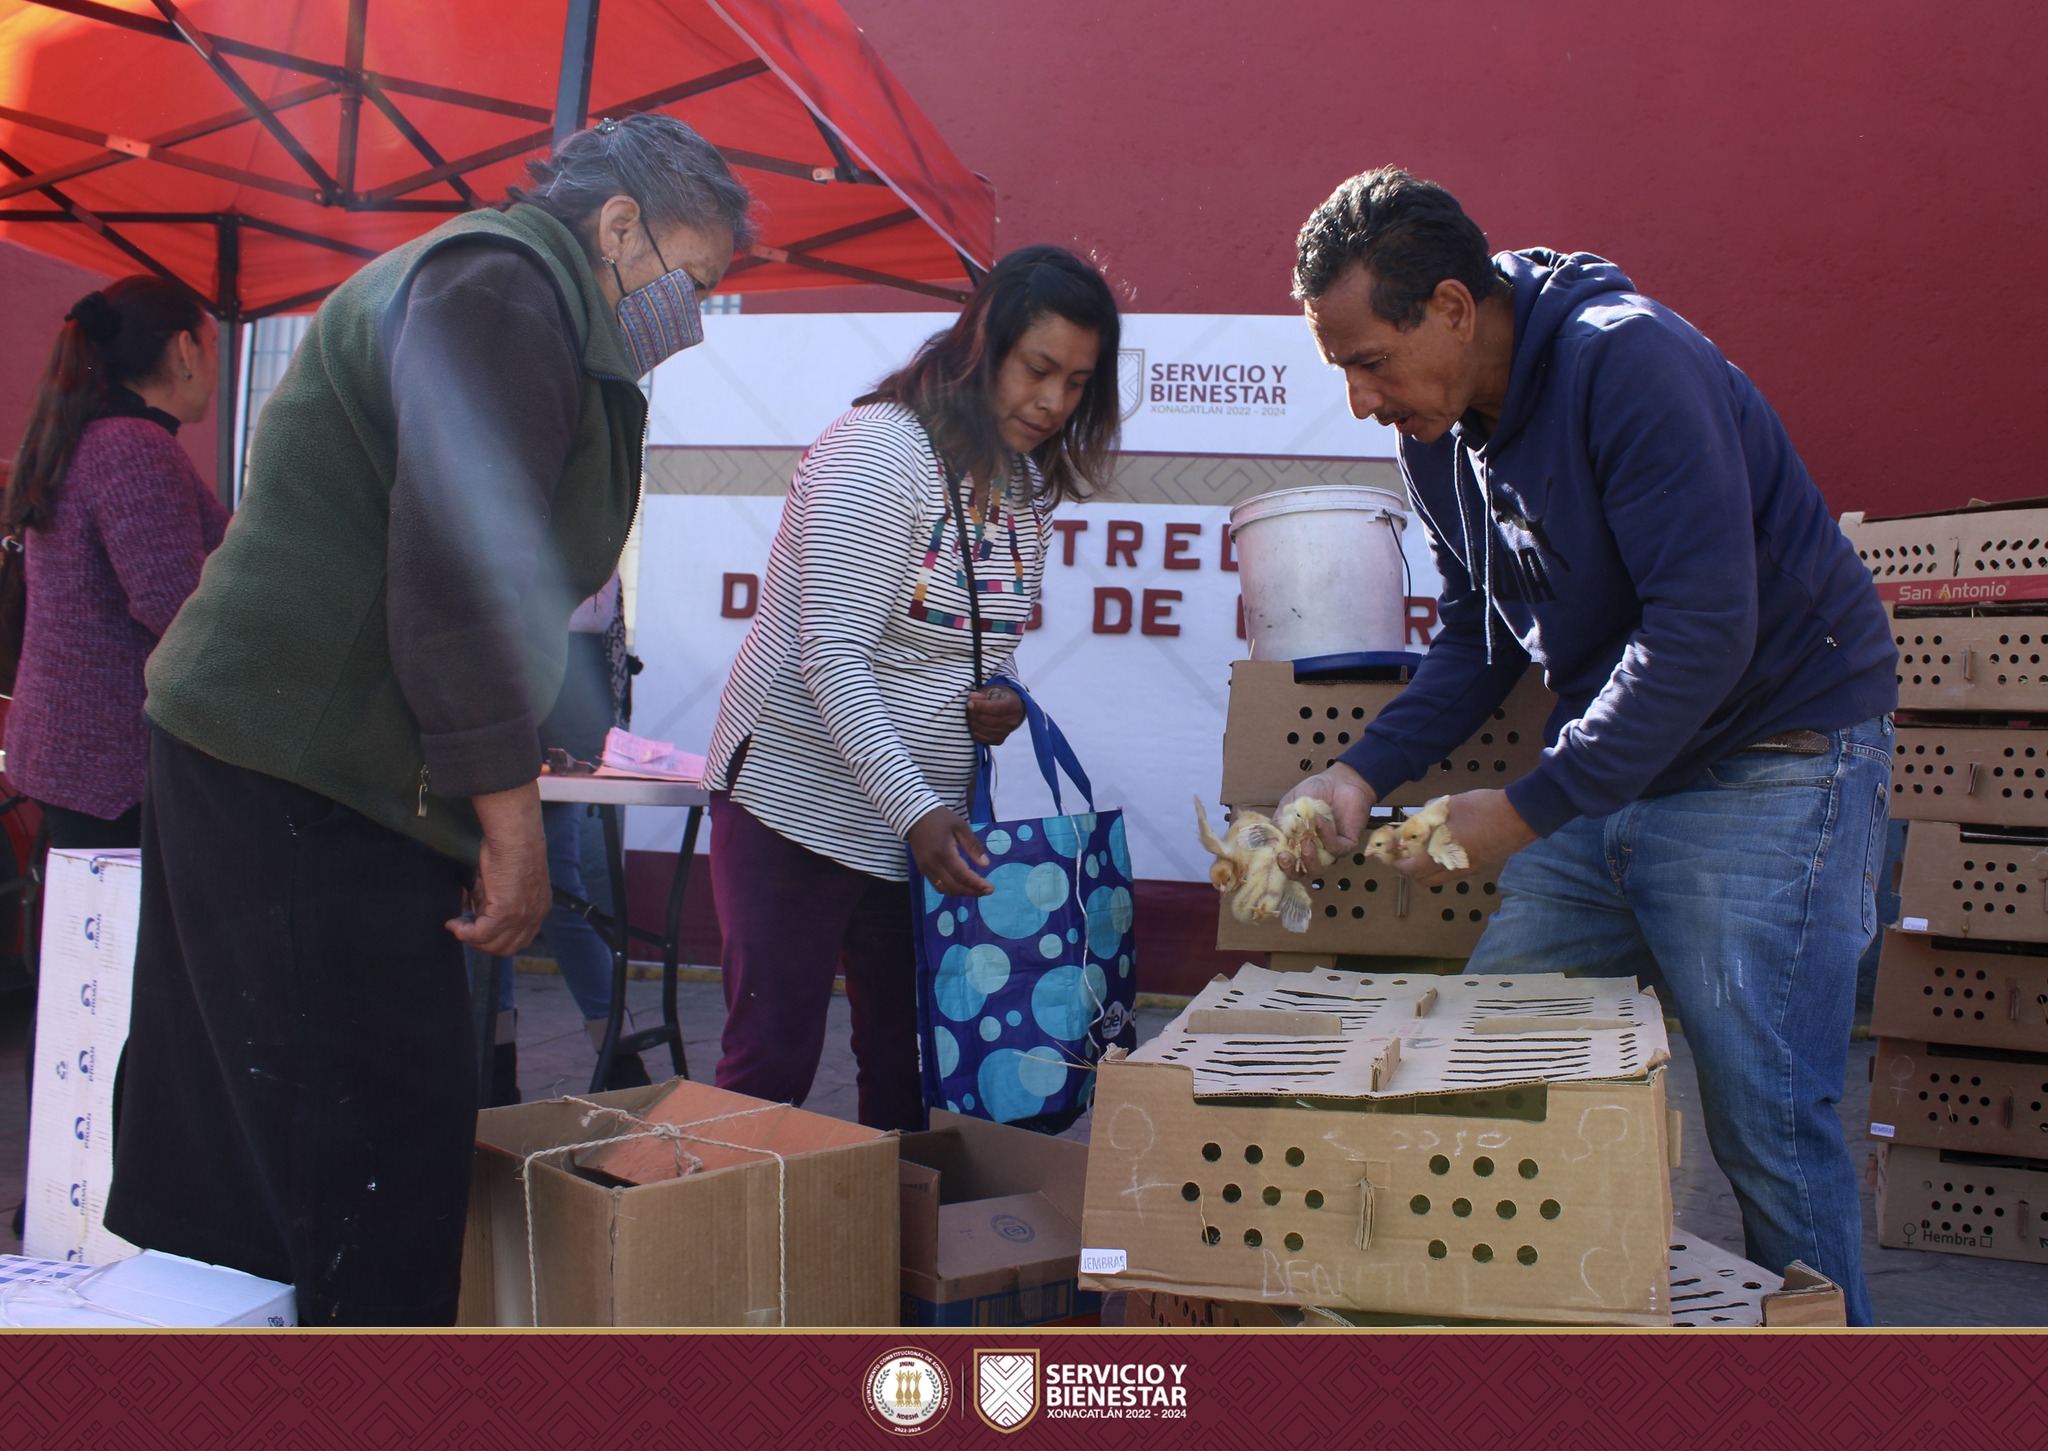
<point>115,523</point>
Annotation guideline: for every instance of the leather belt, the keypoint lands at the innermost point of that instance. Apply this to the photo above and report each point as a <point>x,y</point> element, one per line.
<point>1793,743</point>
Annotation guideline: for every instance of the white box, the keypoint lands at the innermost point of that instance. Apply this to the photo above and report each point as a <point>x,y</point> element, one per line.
<point>91,903</point>
<point>149,1289</point>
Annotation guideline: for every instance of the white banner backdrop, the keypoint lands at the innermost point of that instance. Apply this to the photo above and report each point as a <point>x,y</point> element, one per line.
<point>1140,616</point>
<point>1193,383</point>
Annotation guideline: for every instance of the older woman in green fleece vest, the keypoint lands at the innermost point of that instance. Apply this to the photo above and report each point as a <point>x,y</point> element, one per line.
<point>344,745</point>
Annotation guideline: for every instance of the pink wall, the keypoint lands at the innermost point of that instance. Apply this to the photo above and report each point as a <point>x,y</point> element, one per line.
<point>35,293</point>
<point>1844,196</point>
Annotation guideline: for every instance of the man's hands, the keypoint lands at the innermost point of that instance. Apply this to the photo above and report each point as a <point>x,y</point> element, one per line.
<point>1349,800</point>
<point>511,894</point>
<point>993,713</point>
<point>1482,822</point>
<point>938,841</point>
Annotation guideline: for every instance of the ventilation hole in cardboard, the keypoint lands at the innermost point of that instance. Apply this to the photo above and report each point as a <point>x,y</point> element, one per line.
<point>1293,1241</point>
<point>1212,1235</point>
<point>1483,1253</point>
<point>1191,1191</point>
<point>1438,1249</point>
<point>1505,1209</point>
<point>1461,1207</point>
<point>1253,1153</point>
<point>1482,1166</point>
<point>1308,712</point>
<point>1296,1158</point>
<point>1751,1285</point>
<point>1358,712</point>
<point>1294,738</point>
<point>1515,1101</point>
<point>1439,1165</point>
<point>1212,1152</point>
<point>1313,1199</point>
<point>1526,1254</point>
<point>1550,1209</point>
<point>1231,1194</point>
<point>1253,1239</point>
<point>1420,1204</point>
<point>1271,1195</point>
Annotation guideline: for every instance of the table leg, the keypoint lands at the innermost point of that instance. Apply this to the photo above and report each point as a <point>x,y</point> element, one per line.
<point>615,865</point>
<point>671,938</point>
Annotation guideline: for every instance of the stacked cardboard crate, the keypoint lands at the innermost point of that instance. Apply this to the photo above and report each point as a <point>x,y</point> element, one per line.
<point>1959,1083</point>
<point>1280,729</point>
<point>1491,1148</point>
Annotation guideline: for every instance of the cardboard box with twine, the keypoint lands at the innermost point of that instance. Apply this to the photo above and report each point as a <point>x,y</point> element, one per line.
<point>1465,1147</point>
<point>677,1205</point>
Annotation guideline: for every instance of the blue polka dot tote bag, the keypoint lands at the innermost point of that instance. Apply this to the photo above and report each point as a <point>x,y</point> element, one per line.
<point>1019,992</point>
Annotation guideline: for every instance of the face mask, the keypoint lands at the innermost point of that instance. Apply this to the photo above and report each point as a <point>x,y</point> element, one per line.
<point>662,318</point>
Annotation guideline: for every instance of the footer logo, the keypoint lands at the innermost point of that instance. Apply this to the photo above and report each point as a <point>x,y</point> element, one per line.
<point>907,1390</point>
<point>1006,1387</point>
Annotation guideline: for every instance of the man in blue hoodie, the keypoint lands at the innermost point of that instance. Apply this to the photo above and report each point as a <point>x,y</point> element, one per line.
<point>1607,495</point>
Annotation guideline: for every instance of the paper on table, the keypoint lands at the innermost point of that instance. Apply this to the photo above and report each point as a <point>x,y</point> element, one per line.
<point>626,754</point>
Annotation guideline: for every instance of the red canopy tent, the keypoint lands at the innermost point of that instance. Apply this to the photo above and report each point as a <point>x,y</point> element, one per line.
<point>257,150</point>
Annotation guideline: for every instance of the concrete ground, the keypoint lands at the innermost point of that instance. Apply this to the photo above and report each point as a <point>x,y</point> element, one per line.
<point>1908,1287</point>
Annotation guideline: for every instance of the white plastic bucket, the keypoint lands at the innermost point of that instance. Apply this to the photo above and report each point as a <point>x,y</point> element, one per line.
<point>1320,569</point>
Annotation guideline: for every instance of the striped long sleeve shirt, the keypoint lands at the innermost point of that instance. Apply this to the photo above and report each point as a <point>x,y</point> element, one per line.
<point>850,691</point>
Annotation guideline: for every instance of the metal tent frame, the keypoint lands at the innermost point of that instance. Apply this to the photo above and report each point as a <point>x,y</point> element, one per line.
<point>355,85</point>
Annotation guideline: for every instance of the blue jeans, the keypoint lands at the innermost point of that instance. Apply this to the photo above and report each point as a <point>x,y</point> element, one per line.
<point>1747,898</point>
<point>580,950</point>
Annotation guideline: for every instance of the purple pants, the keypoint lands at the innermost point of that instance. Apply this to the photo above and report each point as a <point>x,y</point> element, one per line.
<point>792,919</point>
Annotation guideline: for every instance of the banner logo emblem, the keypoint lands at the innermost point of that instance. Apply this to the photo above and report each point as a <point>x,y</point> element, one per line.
<point>1006,1388</point>
<point>1130,380</point>
<point>906,1391</point>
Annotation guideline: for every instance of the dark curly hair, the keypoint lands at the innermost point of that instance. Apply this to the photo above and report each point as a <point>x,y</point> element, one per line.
<point>1410,234</point>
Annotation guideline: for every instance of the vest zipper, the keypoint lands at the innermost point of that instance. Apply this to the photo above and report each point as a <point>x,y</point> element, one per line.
<point>423,791</point>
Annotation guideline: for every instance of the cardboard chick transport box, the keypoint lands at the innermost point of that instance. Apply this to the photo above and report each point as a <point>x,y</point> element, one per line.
<point>1711,1289</point>
<point>742,1213</point>
<point>1490,1148</point>
<point>1989,1205</point>
<point>91,905</point>
<point>991,1225</point>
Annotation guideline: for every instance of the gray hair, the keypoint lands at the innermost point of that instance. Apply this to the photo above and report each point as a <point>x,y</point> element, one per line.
<point>675,174</point>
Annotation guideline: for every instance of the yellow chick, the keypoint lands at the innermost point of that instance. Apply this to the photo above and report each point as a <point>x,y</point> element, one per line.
<point>1382,846</point>
<point>1248,866</point>
<point>1427,831</point>
<point>1302,853</point>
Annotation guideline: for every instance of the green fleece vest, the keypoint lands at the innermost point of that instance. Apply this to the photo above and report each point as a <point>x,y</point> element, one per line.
<point>279,662</point>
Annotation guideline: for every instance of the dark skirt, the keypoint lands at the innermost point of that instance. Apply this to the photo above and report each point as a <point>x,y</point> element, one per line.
<point>298,1096</point>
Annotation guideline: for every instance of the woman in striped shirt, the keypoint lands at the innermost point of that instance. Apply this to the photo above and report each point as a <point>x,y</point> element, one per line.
<point>848,727</point>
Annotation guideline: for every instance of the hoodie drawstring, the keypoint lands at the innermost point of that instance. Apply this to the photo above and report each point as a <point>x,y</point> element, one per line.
<point>1486,535</point>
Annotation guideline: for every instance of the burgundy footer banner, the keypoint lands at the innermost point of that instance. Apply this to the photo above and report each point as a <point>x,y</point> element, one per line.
<point>1005,1389</point>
